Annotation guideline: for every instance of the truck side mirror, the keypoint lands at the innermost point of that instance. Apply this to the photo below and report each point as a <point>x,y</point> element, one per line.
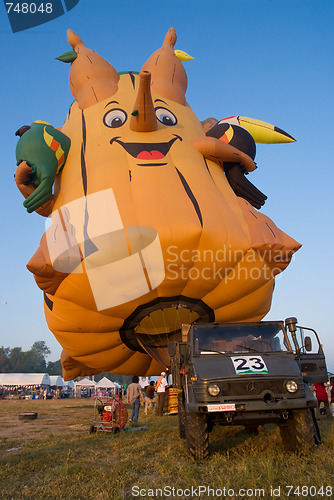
<point>308,344</point>
<point>172,348</point>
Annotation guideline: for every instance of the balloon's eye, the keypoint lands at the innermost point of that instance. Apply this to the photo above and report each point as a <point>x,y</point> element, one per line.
<point>115,118</point>
<point>165,116</point>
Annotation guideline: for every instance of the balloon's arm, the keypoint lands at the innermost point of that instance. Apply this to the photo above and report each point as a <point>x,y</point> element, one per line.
<point>23,179</point>
<point>219,151</point>
<point>235,164</point>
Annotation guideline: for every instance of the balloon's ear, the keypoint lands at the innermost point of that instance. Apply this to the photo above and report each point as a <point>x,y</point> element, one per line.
<point>169,78</point>
<point>92,79</point>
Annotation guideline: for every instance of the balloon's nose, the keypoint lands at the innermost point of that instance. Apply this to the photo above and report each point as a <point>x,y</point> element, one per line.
<point>143,117</point>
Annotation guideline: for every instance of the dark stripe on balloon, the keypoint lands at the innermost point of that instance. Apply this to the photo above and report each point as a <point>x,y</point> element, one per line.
<point>48,302</point>
<point>191,196</point>
<point>271,230</point>
<point>206,164</point>
<point>89,246</point>
<point>83,151</point>
<point>133,80</point>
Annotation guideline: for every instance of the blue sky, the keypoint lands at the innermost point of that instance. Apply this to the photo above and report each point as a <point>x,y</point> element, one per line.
<point>266,59</point>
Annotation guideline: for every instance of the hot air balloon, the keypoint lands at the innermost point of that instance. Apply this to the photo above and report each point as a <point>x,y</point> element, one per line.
<point>146,230</point>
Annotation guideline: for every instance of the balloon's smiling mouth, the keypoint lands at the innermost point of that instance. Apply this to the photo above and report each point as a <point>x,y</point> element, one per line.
<point>151,152</point>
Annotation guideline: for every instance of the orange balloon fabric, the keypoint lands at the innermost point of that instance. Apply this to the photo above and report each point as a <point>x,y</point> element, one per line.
<point>146,233</point>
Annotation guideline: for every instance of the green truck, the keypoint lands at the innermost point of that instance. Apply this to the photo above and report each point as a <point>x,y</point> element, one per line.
<point>247,374</point>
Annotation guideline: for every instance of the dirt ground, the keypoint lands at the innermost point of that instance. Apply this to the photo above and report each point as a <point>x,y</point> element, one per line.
<point>54,417</point>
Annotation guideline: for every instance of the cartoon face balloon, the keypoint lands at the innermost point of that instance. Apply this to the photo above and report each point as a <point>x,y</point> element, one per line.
<point>145,231</point>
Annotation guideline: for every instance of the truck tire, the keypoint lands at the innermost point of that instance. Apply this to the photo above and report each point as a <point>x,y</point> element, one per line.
<point>197,435</point>
<point>181,415</point>
<point>298,433</point>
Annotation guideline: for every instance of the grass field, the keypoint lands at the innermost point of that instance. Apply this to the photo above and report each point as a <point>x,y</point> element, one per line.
<point>55,457</point>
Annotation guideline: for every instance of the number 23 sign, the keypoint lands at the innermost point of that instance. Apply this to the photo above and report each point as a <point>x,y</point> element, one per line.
<point>249,364</point>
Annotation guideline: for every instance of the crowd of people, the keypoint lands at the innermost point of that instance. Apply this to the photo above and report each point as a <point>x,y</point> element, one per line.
<point>152,396</point>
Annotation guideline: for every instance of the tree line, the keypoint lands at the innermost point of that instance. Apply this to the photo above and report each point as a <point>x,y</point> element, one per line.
<point>16,360</point>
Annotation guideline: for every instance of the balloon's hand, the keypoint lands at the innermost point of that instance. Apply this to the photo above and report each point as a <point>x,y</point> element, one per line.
<point>24,180</point>
<point>247,162</point>
<point>44,149</point>
<point>242,187</point>
<point>43,179</point>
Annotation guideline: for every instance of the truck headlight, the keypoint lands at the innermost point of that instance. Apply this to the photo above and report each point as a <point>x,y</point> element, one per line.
<point>291,385</point>
<point>213,390</point>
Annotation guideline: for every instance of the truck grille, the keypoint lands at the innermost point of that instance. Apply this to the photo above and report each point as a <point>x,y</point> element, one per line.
<point>247,389</point>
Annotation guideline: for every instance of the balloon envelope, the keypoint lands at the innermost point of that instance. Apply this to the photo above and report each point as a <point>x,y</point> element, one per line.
<point>146,233</point>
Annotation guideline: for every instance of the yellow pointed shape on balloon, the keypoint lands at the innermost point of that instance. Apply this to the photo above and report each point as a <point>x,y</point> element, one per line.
<point>262,132</point>
<point>183,56</point>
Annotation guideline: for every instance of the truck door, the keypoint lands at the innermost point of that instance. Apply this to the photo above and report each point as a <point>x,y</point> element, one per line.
<point>312,360</point>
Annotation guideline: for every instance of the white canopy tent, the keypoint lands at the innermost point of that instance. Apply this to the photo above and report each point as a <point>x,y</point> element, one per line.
<point>56,381</point>
<point>69,384</point>
<point>106,383</point>
<point>85,384</point>
<point>24,379</point>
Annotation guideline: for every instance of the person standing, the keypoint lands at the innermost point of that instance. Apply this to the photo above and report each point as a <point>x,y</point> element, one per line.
<point>331,394</point>
<point>161,392</point>
<point>322,397</point>
<point>134,395</point>
<point>149,396</point>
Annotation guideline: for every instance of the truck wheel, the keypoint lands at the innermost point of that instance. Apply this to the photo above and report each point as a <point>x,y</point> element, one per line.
<point>181,414</point>
<point>298,433</point>
<point>197,435</point>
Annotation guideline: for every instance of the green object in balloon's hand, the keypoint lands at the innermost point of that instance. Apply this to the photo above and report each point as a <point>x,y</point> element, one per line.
<point>45,149</point>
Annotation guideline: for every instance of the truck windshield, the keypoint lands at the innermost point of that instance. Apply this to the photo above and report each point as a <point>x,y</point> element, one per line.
<point>265,337</point>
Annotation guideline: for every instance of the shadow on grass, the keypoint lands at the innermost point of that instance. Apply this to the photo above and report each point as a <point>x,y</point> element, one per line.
<point>231,439</point>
